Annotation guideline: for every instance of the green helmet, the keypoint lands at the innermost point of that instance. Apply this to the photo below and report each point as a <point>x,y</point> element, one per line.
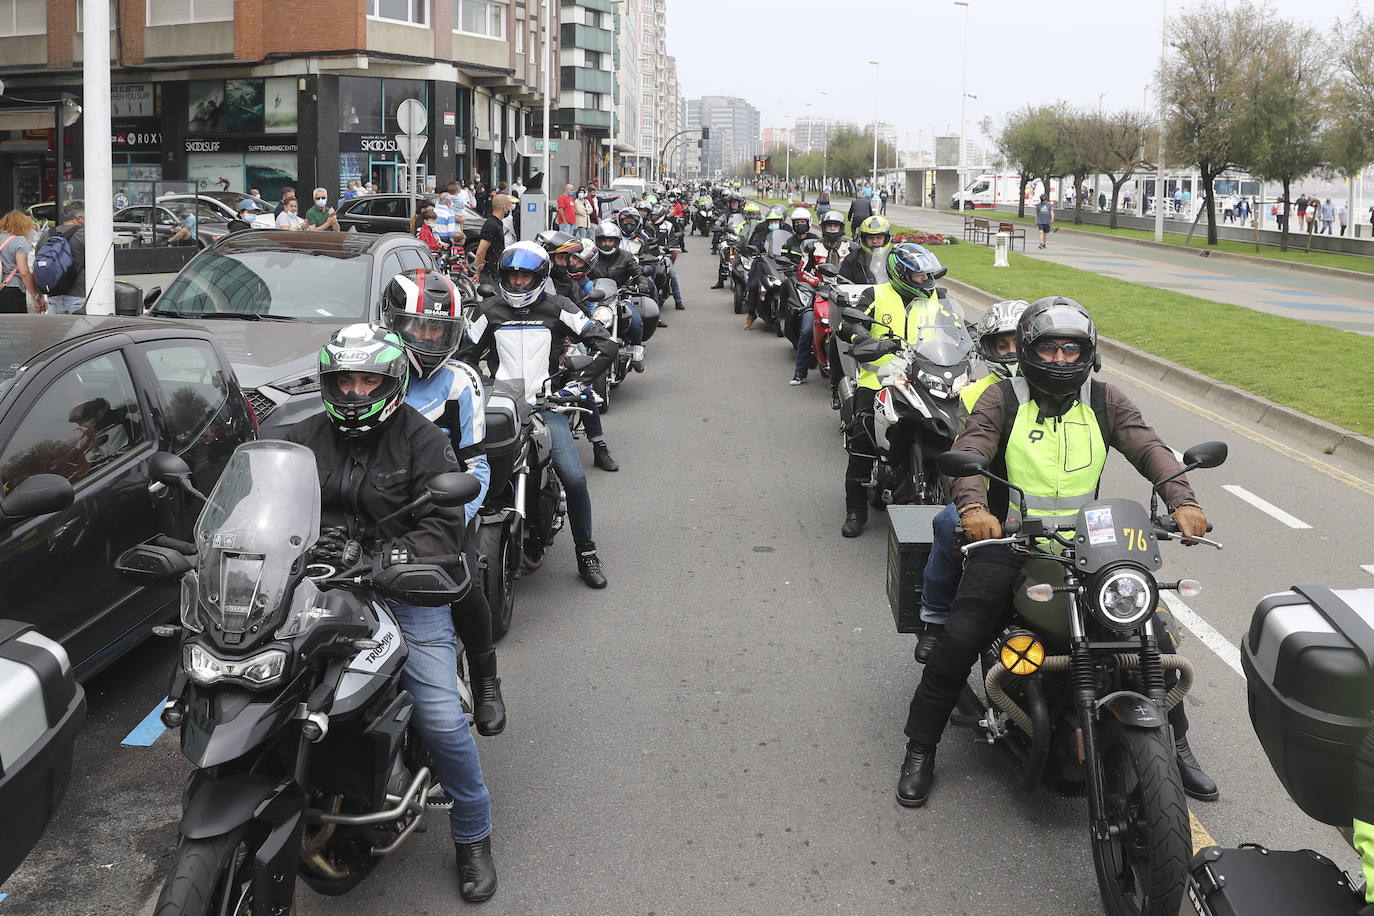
<point>913,270</point>
<point>874,225</point>
<point>363,349</point>
<point>752,210</point>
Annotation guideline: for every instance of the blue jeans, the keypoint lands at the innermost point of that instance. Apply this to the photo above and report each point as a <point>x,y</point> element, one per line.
<point>672,282</point>
<point>568,464</point>
<point>804,342</point>
<point>65,305</point>
<point>431,676</point>
<point>591,422</point>
<point>943,569</point>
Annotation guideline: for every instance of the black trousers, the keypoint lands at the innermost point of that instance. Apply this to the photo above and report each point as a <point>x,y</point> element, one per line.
<point>860,468</point>
<point>982,608</point>
<point>472,615</point>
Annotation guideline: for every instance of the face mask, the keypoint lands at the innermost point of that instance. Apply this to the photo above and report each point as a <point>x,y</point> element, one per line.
<point>321,201</point>
<point>429,222</point>
<point>582,195</point>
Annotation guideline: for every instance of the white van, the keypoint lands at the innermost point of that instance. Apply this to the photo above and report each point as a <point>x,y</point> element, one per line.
<point>629,187</point>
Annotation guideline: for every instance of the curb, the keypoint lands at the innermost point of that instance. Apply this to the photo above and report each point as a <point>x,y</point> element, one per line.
<point>1329,438</point>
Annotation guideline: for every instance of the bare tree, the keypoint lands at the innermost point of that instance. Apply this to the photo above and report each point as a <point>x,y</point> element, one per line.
<point>1074,156</point>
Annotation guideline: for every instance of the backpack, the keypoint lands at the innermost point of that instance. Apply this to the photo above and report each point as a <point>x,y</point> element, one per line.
<point>51,263</point>
<point>823,198</point>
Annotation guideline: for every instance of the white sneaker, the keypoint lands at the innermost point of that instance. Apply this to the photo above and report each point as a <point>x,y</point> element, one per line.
<point>796,380</point>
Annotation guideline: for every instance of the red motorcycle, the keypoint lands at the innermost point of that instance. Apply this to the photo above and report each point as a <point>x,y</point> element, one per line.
<point>819,288</point>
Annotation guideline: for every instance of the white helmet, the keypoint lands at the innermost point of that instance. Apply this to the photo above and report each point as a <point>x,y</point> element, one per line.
<point>803,214</point>
<point>1000,318</point>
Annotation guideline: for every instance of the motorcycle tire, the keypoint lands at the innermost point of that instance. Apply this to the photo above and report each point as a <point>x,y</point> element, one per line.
<point>210,876</point>
<point>497,546</point>
<point>738,290</point>
<point>601,387</point>
<point>1142,870</point>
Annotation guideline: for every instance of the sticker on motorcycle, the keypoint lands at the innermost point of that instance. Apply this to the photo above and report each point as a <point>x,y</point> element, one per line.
<point>1101,528</point>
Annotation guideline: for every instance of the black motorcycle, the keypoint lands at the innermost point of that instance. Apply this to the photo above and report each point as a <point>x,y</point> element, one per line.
<point>1075,689</point>
<point>287,695</point>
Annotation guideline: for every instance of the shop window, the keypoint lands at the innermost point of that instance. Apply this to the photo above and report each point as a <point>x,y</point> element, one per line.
<point>23,17</point>
<point>411,12</point>
<point>360,105</point>
<point>484,18</point>
<point>396,91</point>
<point>181,12</point>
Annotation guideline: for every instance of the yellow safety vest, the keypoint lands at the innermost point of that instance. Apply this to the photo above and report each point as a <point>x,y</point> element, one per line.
<point>1057,461</point>
<point>905,322</point>
<point>971,392</point>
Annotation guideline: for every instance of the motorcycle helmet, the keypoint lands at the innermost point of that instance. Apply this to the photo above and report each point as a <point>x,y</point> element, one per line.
<point>735,202</point>
<point>1000,318</point>
<point>644,207</point>
<point>872,230</point>
<point>832,227</point>
<point>558,245</point>
<point>1056,317</point>
<point>658,213</point>
<point>752,210</point>
<point>608,236</point>
<point>362,350</point>
<point>424,309</point>
<point>521,273</point>
<point>913,270</point>
<point>581,261</point>
<point>629,221</point>
<point>801,216</point>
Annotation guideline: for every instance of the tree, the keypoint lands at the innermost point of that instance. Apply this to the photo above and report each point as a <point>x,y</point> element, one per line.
<point>1116,145</point>
<point>1074,154</point>
<point>1214,47</point>
<point>1285,102</point>
<point>1349,140</point>
<point>1028,141</point>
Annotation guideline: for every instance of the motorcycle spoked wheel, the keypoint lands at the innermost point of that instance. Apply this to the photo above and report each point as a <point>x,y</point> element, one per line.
<point>1141,869</point>
<point>211,876</point>
<point>601,387</point>
<point>495,543</point>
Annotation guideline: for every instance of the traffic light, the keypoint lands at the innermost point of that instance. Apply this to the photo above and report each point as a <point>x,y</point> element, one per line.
<point>706,133</point>
<point>758,165</point>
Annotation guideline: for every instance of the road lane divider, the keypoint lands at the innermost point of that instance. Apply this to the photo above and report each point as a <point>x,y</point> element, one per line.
<point>1211,638</point>
<point>1267,508</point>
<point>1201,838</point>
<point>1368,567</point>
<point>149,730</point>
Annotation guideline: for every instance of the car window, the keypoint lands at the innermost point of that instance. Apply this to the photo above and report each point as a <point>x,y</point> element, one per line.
<point>192,383</point>
<point>132,215</point>
<point>391,265</point>
<point>413,259</point>
<point>324,286</point>
<point>85,420</point>
<point>393,207</point>
<point>167,217</point>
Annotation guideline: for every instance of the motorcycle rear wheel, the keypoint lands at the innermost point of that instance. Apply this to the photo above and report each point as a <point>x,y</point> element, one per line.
<point>1141,870</point>
<point>210,876</point>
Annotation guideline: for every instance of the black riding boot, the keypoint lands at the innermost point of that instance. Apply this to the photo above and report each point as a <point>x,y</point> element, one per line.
<point>489,707</point>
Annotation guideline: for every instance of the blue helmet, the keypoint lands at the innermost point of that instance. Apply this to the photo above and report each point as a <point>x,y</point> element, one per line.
<point>522,258</point>
<point>913,269</point>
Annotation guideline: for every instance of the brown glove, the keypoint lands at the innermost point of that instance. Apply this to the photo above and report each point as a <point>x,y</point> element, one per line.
<point>979,524</point>
<point>1192,523</point>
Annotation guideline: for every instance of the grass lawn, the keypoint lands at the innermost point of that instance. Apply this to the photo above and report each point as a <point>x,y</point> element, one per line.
<point>1295,252</point>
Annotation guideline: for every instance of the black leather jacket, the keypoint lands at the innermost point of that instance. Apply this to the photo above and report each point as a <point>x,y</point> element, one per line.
<point>858,267</point>
<point>620,266</point>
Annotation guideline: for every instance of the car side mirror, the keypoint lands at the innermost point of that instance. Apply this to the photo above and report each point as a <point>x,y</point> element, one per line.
<point>40,494</point>
<point>169,469</point>
<point>962,464</point>
<point>453,488</point>
<point>151,296</point>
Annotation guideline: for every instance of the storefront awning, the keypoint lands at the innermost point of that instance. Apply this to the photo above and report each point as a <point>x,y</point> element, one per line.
<point>17,114</point>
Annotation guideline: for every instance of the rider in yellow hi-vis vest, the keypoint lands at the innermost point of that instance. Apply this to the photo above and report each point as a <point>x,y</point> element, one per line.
<point>1050,427</point>
<point>906,303</point>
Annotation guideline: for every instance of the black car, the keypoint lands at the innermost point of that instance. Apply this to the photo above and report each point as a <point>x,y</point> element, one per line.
<point>91,398</point>
<point>391,213</point>
<point>273,297</point>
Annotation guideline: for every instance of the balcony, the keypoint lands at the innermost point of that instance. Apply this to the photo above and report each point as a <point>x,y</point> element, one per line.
<point>586,118</point>
<point>574,35</point>
<point>586,79</point>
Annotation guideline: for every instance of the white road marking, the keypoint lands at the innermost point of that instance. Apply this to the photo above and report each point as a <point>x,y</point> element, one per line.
<point>1204,631</point>
<point>1369,568</point>
<point>1266,507</point>
<point>1177,454</point>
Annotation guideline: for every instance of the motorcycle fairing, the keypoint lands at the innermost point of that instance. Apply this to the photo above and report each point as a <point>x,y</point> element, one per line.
<point>224,722</point>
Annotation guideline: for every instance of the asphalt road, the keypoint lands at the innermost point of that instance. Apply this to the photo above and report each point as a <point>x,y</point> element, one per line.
<point>719,731</point>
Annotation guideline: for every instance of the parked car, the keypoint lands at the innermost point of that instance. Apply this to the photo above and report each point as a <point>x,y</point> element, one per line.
<point>141,225</point>
<point>204,201</point>
<point>273,297</point>
<point>391,213</point>
<point>91,398</point>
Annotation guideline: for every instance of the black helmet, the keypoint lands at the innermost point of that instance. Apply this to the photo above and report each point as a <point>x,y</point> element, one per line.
<point>629,221</point>
<point>424,308</point>
<point>556,242</point>
<point>1056,317</point>
<point>367,350</point>
<point>913,269</point>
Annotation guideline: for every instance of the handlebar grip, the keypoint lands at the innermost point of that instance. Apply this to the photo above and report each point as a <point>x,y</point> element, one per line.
<point>184,547</point>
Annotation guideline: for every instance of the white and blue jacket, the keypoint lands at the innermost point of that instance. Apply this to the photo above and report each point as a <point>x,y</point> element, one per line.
<point>453,399</point>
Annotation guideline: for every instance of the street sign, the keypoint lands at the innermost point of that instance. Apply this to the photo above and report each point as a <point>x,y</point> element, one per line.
<point>410,147</point>
<point>411,116</point>
<point>508,151</point>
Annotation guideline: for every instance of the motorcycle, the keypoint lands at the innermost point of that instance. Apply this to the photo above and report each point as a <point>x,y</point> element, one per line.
<point>915,413</point>
<point>703,218</point>
<point>653,263</point>
<point>288,695</point>
<point>822,295</point>
<point>612,310</point>
<point>1075,688</point>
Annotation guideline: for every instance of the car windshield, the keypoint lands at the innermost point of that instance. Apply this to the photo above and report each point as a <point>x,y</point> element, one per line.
<point>329,287</point>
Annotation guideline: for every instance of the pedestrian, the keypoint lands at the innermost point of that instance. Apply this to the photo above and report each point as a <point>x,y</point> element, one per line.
<point>466,197</point>
<point>1302,212</point>
<point>16,272</point>
<point>286,194</point>
<point>428,233</point>
<point>1342,217</point>
<point>320,218</point>
<point>567,211</point>
<point>584,210</point>
<point>517,189</point>
<point>1312,210</point>
<point>1327,214</point>
<point>493,243</point>
<point>188,231</point>
<point>290,217</point>
<point>882,202</point>
<point>445,222</point>
<point>69,296</point>
<point>482,194</point>
<point>1044,218</point>
<point>1178,199</point>
<point>256,195</point>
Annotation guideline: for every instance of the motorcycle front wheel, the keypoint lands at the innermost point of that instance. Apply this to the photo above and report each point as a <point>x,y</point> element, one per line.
<point>503,567</point>
<point>738,290</point>
<point>1142,866</point>
<point>210,876</point>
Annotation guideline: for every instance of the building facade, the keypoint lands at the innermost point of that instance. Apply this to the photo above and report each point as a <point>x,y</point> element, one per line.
<point>735,133</point>
<point>624,152</point>
<point>239,94</point>
<point>586,89</point>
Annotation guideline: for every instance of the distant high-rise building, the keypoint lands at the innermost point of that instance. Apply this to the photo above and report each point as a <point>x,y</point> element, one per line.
<point>736,137</point>
<point>775,137</point>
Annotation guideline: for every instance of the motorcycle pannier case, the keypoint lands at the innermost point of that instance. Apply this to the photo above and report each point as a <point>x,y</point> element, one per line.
<point>503,429</point>
<point>910,534</point>
<point>1254,881</point>
<point>1309,670</point>
<point>41,710</point>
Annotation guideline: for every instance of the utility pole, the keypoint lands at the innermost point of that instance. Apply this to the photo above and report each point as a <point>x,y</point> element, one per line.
<point>99,193</point>
<point>1159,167</point>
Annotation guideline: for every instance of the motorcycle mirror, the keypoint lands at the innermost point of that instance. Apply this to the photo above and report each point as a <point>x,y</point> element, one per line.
<point>596,295</point>
<point>1206,455</point>
<point>38,495</point>
<point>958,463</point>
<point>453,488</point>
<point>579,362</point>
<point>167,468</point>
<point>486,290</point>
<point>828,270</point>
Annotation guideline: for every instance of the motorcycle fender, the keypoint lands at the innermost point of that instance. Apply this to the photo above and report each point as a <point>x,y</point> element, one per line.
<point>1131,709</point>
<point>216,806</point>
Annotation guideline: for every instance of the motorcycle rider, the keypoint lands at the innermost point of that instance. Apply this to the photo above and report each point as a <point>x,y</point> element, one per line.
<point>1056,344</point>
<point>996,344</point>
<point>865,265</point>
<point>375,454</point>
<point>425,310</point>
<point>733,205</point>
<point>760,269</point>
<point>907,302</point>
<point>742,231</point>
<point>665,237</point>
<point>831,248</point>
<point>535,324</point>
<point>615,263</point>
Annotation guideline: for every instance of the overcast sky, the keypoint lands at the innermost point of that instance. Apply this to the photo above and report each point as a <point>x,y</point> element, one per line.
<point>779,54</point>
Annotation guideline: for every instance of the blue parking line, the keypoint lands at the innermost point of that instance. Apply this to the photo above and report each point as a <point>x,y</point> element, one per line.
<point>149,730</point>
<point>3,896</point>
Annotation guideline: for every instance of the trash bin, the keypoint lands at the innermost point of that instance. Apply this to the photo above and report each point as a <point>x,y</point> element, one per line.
<point>128,299</point>
<point>999,258</point>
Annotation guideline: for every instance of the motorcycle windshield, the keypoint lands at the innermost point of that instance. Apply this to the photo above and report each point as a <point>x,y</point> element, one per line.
<point>943,338</point>
<point>776,240</point>
<point>259,520</point>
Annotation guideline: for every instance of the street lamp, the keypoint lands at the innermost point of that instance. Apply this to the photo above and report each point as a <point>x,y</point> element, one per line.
<point>825,145</point>
<point>963,96</point>
<point>1159,168</point>
<point>873,187</point>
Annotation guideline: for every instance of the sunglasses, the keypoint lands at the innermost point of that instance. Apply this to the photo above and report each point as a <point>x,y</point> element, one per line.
<point>1048,348</point>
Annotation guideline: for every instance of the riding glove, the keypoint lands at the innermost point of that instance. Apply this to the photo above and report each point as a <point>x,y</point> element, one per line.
<point>329,547</point>
<point>1191,521</point>
<point>979,524</point>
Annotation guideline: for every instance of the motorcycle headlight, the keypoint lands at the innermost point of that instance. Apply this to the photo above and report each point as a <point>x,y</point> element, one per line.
<point>940,387</point>
<point>1022,653</point>
<point>205,668</point>
<point>1123,596</point>
<point>606,315</point>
